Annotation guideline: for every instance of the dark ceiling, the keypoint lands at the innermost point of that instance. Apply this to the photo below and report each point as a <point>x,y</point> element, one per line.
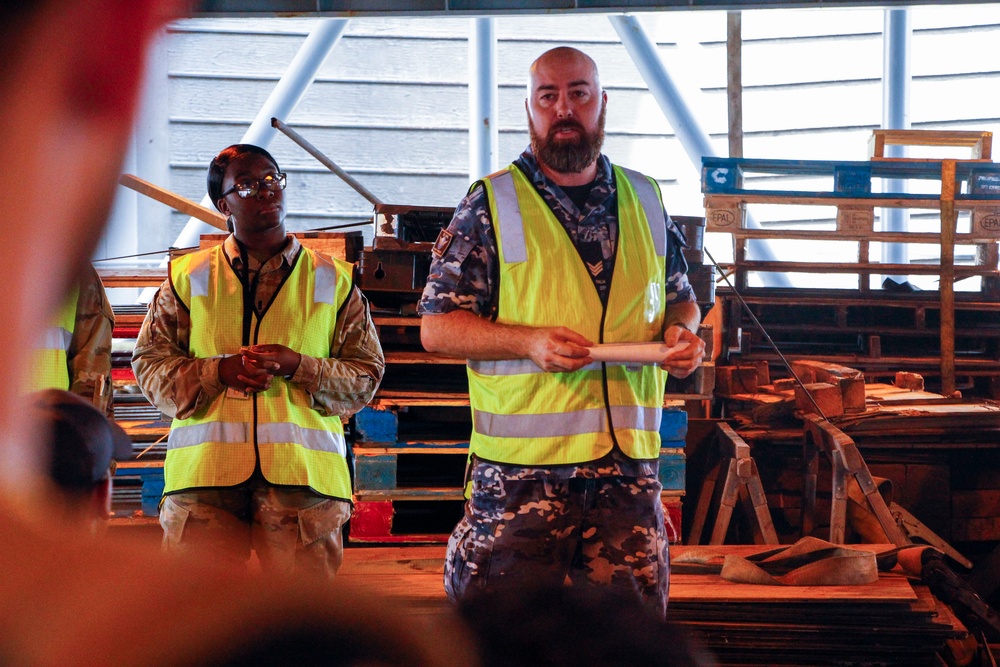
<point>362,8</point>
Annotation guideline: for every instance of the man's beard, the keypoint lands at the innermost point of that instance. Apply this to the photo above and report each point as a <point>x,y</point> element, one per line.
<point>572,156</point>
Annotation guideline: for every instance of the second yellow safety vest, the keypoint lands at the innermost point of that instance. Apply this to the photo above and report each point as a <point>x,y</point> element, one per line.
<point>50,357</point>
<point>525,416</point>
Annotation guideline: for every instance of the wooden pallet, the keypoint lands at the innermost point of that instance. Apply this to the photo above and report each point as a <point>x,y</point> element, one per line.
<point>392,421</point>
<point>981,143</point>
<point>341,245</point>
<point>727,197</point>
<point>392,468</point>
<point>876,332</point>
<point>405,516</point>
<point>969,185</point>
<point>148,475</point>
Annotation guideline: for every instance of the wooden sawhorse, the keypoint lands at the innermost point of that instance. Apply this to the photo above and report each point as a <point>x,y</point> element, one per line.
<point>742,482</point>
<point>846,463</point>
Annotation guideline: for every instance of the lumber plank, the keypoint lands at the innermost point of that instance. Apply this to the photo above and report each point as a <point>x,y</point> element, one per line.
<point>174,200</point>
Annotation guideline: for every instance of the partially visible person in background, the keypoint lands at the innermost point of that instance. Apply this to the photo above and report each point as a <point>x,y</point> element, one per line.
<point>83,446</point>
<point>74,351</point>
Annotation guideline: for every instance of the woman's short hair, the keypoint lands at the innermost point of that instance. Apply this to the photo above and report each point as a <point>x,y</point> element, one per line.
<point>217,168</point>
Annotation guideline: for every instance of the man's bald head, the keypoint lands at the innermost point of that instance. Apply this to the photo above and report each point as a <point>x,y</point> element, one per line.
<point>562,58</point>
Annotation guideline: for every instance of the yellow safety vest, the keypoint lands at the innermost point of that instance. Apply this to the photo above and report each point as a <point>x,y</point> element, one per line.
<point>276,430</point>
<point>525,416</point>
<point>50,357</point>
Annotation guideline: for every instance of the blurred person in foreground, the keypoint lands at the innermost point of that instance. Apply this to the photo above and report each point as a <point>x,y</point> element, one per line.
<point>68,86</point>
<point>83,447</point>
<point>259,348</point>
<point>539,623</point>
<point>560,251</point>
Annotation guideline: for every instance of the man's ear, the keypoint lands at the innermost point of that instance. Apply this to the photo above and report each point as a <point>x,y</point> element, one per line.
<point>223,207</point>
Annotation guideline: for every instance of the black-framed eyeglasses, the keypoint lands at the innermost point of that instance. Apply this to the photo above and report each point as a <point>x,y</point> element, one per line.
<point>250,187</point>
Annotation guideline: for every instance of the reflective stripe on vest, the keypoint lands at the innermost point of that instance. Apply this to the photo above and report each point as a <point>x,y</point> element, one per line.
<point>229,432</point>
<point>562,424</point>
<point>55,338</point>
<point>527,366</point>
<point>525,416</point>
<point>277,430</point>
<point>50,356</point>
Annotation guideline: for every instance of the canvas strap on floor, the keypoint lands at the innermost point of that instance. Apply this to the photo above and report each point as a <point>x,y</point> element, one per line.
<point>808,562</point>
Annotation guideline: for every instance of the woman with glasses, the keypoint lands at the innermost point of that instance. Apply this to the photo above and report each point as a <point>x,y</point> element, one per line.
<point>257,348</point>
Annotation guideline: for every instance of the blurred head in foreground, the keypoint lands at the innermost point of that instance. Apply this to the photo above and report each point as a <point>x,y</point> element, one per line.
<point>82,445</point>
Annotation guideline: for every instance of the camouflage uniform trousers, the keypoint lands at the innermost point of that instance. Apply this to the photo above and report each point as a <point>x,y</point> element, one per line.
<point>292,530</point>
<point>516,532</point>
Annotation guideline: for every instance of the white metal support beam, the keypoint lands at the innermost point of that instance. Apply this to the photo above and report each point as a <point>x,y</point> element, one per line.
<point>483,132</point>
<point>896,116</point>
<point>668,96</point>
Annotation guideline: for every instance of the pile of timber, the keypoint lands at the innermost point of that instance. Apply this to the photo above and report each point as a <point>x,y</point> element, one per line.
<point>840,394</point>
<point>892,621</point>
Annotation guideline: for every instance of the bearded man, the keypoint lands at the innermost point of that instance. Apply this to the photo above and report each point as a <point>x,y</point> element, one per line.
<point>559,251</point>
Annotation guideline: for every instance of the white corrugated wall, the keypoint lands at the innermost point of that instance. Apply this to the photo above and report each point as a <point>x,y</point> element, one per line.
<point>390,105</point>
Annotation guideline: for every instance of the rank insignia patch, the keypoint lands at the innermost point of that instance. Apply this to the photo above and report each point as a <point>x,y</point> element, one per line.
<point>441,244</point>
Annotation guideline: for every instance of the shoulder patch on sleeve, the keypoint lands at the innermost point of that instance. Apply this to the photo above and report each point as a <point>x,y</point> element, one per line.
<point>678,233</point>
<point>442,243</point>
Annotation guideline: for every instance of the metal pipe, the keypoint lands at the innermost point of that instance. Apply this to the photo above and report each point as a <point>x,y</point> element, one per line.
<point>325,161</point>
<point>483,132</point>
<point>282,101</point>
<point>694,140</point>
<point>734,81</point>
<point>896,116</point>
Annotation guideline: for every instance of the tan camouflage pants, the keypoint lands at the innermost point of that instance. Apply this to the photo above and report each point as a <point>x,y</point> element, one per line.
<point>292,530</point>
<point>607,531</point>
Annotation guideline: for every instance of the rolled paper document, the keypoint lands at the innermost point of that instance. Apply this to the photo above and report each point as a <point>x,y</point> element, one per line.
<point>647,354</point>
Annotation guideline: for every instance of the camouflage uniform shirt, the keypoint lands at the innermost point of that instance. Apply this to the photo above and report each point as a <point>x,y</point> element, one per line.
<point>89,353</point>
<point>180,385</point>
<point>467,273</point>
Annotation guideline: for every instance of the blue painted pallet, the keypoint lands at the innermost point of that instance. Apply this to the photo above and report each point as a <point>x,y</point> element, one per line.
<point>384,470</point>
<point>673,469</point>
<point>373,426</point>
<point>151,476</point>
<point>851,180</point>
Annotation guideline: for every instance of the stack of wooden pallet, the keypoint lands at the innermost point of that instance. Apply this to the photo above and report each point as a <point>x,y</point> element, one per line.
<point>410,467</point>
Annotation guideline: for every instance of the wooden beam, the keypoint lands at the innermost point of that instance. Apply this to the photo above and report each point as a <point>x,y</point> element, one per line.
<point>174,201</point>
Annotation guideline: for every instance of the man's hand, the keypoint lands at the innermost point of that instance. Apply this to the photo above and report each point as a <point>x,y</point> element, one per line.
<point>558,349</point>
<point>277,359</point>
<point>244,374</point>
<point>682,362</point>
